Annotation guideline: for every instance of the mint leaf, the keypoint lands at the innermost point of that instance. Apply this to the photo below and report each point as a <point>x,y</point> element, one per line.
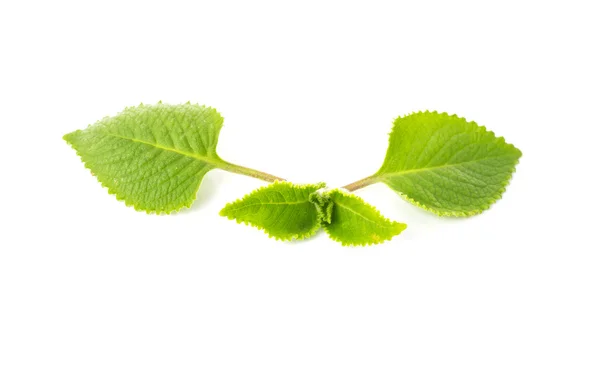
<point>287,211</point>
<point>283,210</point>
<point>154,157</point>
<point>355,222</point>
<point>446,164</point>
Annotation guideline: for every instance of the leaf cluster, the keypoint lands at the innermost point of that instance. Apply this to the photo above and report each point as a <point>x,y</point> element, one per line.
<point>154,157</point>
<point>287,211</point>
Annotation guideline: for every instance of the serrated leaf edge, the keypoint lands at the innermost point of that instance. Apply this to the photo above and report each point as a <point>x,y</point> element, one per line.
<point>128,203</point>
<point>351,244</point>
<point>495,197</point>
<point>311,233</point>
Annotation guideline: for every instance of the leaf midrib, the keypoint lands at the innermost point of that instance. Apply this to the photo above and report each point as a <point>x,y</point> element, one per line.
<point>363,216</point>
<point>409,171</point>
<point>269,204</point>
<point>214,162</point>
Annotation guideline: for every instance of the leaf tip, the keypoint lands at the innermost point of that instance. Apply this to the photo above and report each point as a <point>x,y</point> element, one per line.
<point>225,211</point>
<point>69,136</point>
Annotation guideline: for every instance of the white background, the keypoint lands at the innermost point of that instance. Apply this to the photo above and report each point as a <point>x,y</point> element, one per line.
<point>308,91</point>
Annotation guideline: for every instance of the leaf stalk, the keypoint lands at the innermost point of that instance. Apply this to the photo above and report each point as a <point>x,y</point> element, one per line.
<point>361,183</point>
<point>234,168</point>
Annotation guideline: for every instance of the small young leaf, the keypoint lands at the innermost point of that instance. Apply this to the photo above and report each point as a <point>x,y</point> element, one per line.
<point>355,222</point>
<point>152,157</point>
<point>283,210</point>
<point>324,205</point>
<point>447,165</point>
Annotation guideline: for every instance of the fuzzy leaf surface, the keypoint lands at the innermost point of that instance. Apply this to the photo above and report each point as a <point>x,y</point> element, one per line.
<point>355,222</point>
<point>283,210</point>
<point>153,157</point>
<point>324,205</point>
<point>446,164</point>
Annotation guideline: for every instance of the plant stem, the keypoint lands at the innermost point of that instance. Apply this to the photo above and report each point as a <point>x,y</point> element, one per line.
<point>249,172</point>
<point>361,183</point>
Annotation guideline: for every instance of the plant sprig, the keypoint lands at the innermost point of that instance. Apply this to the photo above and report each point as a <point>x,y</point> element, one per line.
<point>154,157</point>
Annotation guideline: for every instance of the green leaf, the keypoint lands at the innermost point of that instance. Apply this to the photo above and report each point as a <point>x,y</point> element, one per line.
<point>355,222</point>
<point>446,164</point>
<point>152,157</point>
<point>283,210</point>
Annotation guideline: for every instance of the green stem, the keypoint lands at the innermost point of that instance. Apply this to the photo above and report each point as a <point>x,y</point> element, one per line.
<point>234,168</point>
<point>361,183</point>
